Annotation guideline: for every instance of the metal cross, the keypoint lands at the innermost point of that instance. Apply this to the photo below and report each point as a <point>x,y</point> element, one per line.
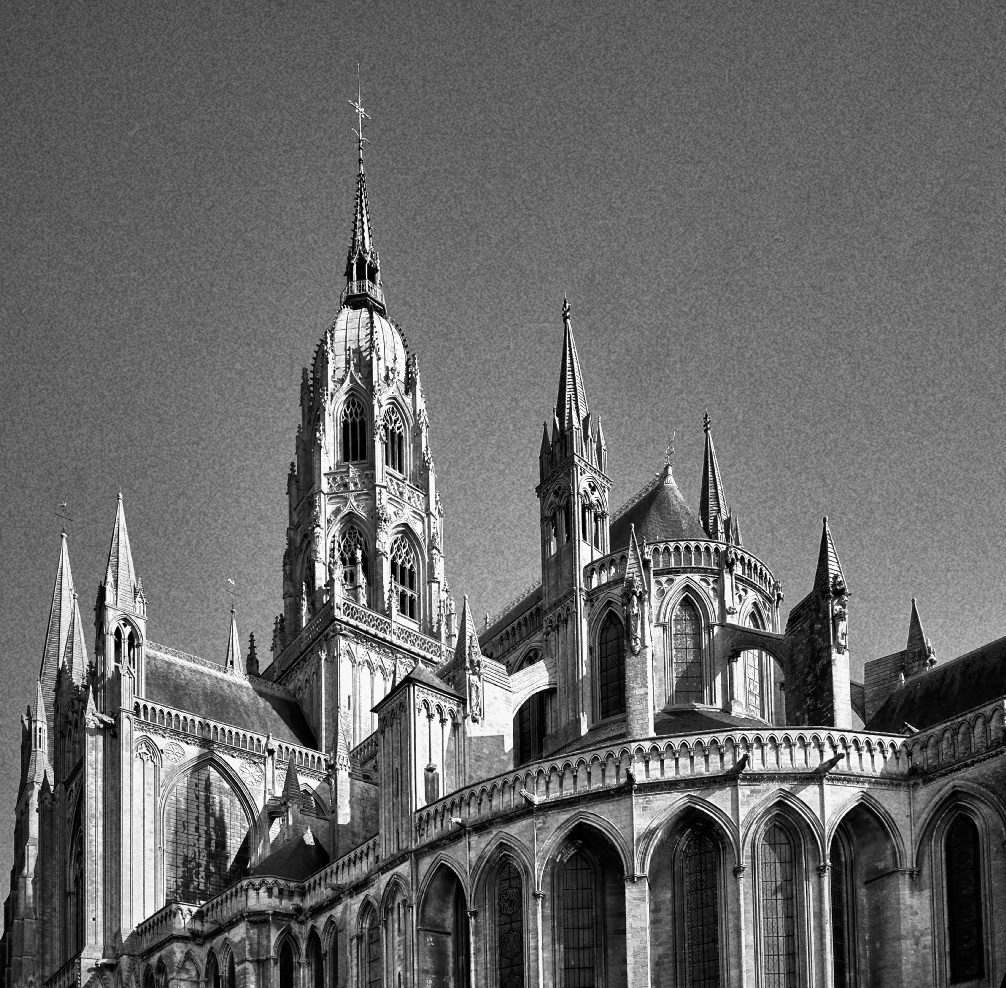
<point>361,115</point>
<point>706,421</point>
<point>60,512</point>
<point>233,591</point>
<point>669,452</point>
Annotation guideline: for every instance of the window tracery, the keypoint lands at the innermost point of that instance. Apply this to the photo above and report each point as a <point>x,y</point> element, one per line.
<point>354,431</point>
<point>509,925</point>
<point>686,653</point>
<point>777,890</point>
<point>351,540</point>
<point>374,967</point>
<point>403,577</point>
<point>964,903</point>
<point>578,921</point>
<point>611,668</point>
<point>700,866</point>
<point>394,441</point>
<point>753,670</point>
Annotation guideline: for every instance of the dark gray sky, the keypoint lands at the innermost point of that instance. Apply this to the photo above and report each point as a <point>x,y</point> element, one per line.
<point>789,214</point>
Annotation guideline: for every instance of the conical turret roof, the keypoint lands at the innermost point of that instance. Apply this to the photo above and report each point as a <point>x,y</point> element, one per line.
<point>828,563</point>
<point>657,512</point>
<point>232,661</point>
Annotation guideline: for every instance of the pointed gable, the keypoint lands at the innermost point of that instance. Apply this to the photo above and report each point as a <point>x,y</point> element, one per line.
<point>467,633</point>
<point>634,571</point>
<point>919,653</point>
<point>75,652</point>
<point>571,403</point>
<point>121,585</point>
<point>828,564</point>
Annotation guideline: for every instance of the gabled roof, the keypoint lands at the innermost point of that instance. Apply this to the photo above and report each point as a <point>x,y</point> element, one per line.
<point>297,859</point>
<point>658,512</point>
<point>207,690</point>
<point>945,691</point>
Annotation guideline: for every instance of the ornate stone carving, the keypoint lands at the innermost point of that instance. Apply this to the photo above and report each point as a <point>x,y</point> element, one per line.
<point>476,681</point>
<point>174,752</point>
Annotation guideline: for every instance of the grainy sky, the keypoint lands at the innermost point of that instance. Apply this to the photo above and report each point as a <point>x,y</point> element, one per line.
<point>790,214</point>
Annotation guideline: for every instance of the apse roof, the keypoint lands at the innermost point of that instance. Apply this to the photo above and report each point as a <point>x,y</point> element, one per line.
<point>199,687</point>
<point>945,691</point>
<point>297,859</point>
<point>658,512</point>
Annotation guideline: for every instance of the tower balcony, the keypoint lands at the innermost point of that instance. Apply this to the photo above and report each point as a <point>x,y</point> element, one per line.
<point>365,288</point>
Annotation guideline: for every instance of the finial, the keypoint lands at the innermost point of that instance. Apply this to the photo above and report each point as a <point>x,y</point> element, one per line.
<point>565,309</point>
<point>361,115</point>
<point>60,512</point>
<point>706,422</point>
<point>669,452</point>
<point>233,591</point>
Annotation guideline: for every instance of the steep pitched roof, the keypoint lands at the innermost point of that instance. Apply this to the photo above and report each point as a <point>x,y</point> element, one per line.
<point>120,574</point>
<point>634,567</point>
<point>571,403</point>
<point>361,239</point>
<point>946,690</point>
<point>658,511</point>
<point>828,563</point>
<point>467,632</point>
<point>75,653</point>
<point>200,687</point>
<point>712,501</point>
<point>57,631</point>
<point>295,860</point>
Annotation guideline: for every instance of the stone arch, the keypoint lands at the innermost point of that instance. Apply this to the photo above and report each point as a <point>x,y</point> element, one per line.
<point>396,886</point>
<point>289,933</point>
<point>668,821</point>
<point>224,768</point>
<point>501,843</point>
<point>368,905</point>
<point>446,861</point>
<point>784,803</point>
<point>442,913</point>
<point>686,585</point>
<point>557,838</point>
<point>870,804</point>
<point>982,804</point>
<point>144,747</point>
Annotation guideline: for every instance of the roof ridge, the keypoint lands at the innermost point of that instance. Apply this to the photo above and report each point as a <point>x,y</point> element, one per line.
<point>259,685</point>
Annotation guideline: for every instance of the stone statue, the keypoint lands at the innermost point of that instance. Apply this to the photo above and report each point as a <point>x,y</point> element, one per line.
<point>475,680</point>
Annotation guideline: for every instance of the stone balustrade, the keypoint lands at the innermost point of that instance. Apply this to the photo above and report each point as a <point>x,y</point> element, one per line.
<point>68,976</point>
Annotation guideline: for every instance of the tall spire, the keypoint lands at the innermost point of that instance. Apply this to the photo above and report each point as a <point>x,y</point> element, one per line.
<point>571,403</point>
<point>919,652</point>
<point>75,653</point>
<point>828,564</point>
<point>363,263</point>
<point>60,616</point>
<point>232,663</point>
<point>712,501</point>
<point>122,589</point>
<point>467,633</point>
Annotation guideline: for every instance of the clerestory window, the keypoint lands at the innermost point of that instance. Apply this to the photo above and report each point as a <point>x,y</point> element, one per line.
<point>611,668</point>
<point>394,445</point>
<point>354,431</point>
<point>403,578</point>
<point>686,653</point>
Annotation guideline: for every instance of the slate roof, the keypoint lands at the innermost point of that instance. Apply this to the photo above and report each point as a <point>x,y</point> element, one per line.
<point>295,860</point>
<point>188,685</point>
<point>945,691</point>
<point>658,512</point>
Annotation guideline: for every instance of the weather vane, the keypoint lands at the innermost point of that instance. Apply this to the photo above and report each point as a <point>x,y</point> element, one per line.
<point>232,589</point>
<point>669,452</point>
<point>706,421</point>
<point>565,308</point>
<point>60,512</point>
<point>361,115</point>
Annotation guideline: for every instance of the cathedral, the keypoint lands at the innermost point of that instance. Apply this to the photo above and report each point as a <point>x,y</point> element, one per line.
<point>643,771</point>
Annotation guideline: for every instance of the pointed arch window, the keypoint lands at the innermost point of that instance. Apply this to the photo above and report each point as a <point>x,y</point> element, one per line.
<point>286,964</point>
<point>394,444</point>
<point>75,884</point>
<point>964,901</point>
<point>212,972</point>
<point>778,900</point>
<point>686,652</point>
<point>509,926</point>
<point>373,973</point>
<point>567,521</point>
<point>206,836</point>
<point>611,668</point>
<point>232,980</point>
<point>841,915</point>
<point>754,663</point>
<point>700,863</point>
<point>354,431</point>
<point>403,577</point>
<point>529,729</point>
<point>317,961</point>
<point>578,930</point>
<point>350,541</point>
<point>333,960</point>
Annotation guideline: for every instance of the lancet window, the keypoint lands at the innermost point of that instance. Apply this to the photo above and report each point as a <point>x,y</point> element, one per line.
<point>354,431</point>
<point>373,961</point>
<point>700,865</point>
<point>509,926</point>
<point>611,668</point>
<point>403,577</point>
<point>286,964</point>
<point>754,662</point>
<point>529,729</point>
<point>964,901</point>
<point>351,540</point>
<point>778,900</point>
<point>394,441</point>
<point>75,885</point>
<point>578,932</point>
<point>567,521</point>
<point>686,653</point>
<point>841,915</point>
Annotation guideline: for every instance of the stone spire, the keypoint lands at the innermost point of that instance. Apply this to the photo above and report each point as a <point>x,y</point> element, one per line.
<point>467,632</point>
<point>571,403</point>
<point>919,652</point>
<point>122,589</point>
<point>75,652</point>
<point>251,661</point>
<point>712,501</point>
<point>58,630</point>
<point>828,564</point>
<point>232,662</point>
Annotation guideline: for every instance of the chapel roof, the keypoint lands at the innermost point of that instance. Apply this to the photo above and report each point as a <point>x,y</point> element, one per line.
<point>203,688</point>
<point>658,512</point>
<point>945,691</point>
<point>297,859</point>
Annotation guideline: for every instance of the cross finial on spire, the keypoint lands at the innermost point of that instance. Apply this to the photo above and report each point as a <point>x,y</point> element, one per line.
<point>706,422</point>
<point>60,512</point>
<point>232,589</point>
<point>361,115</point>
<point>669,452</point>
<point>565,309</point>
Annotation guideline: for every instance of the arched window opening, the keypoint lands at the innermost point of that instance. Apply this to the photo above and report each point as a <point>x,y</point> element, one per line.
<point>611,668</point>
<point>567,521</point>
<point>354,431</point>
<point>598,530</point>
<point>232,979</point>
<point>529,729</point>
<point>317,961</point>
<point>585,522</point>
<point>117,645</point>
<point>373,966</point>
<point>777,887</point>
<point>509,926</point>
<point>964,901</point>
<point>148,979</point>
<point>75,884</point>
<point>206,836</point>
<point>350,542</point>
<point>578,912</point>
<point>700,867</point>
<point>403,577</point>
<point>686,653</point>
<point>552,534</point>
<point>841,915</point>
<point>212,972</point>
<point>333,960</point>
<point>286,964</point>
<point>394,445</point>
<point>754,664</point>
